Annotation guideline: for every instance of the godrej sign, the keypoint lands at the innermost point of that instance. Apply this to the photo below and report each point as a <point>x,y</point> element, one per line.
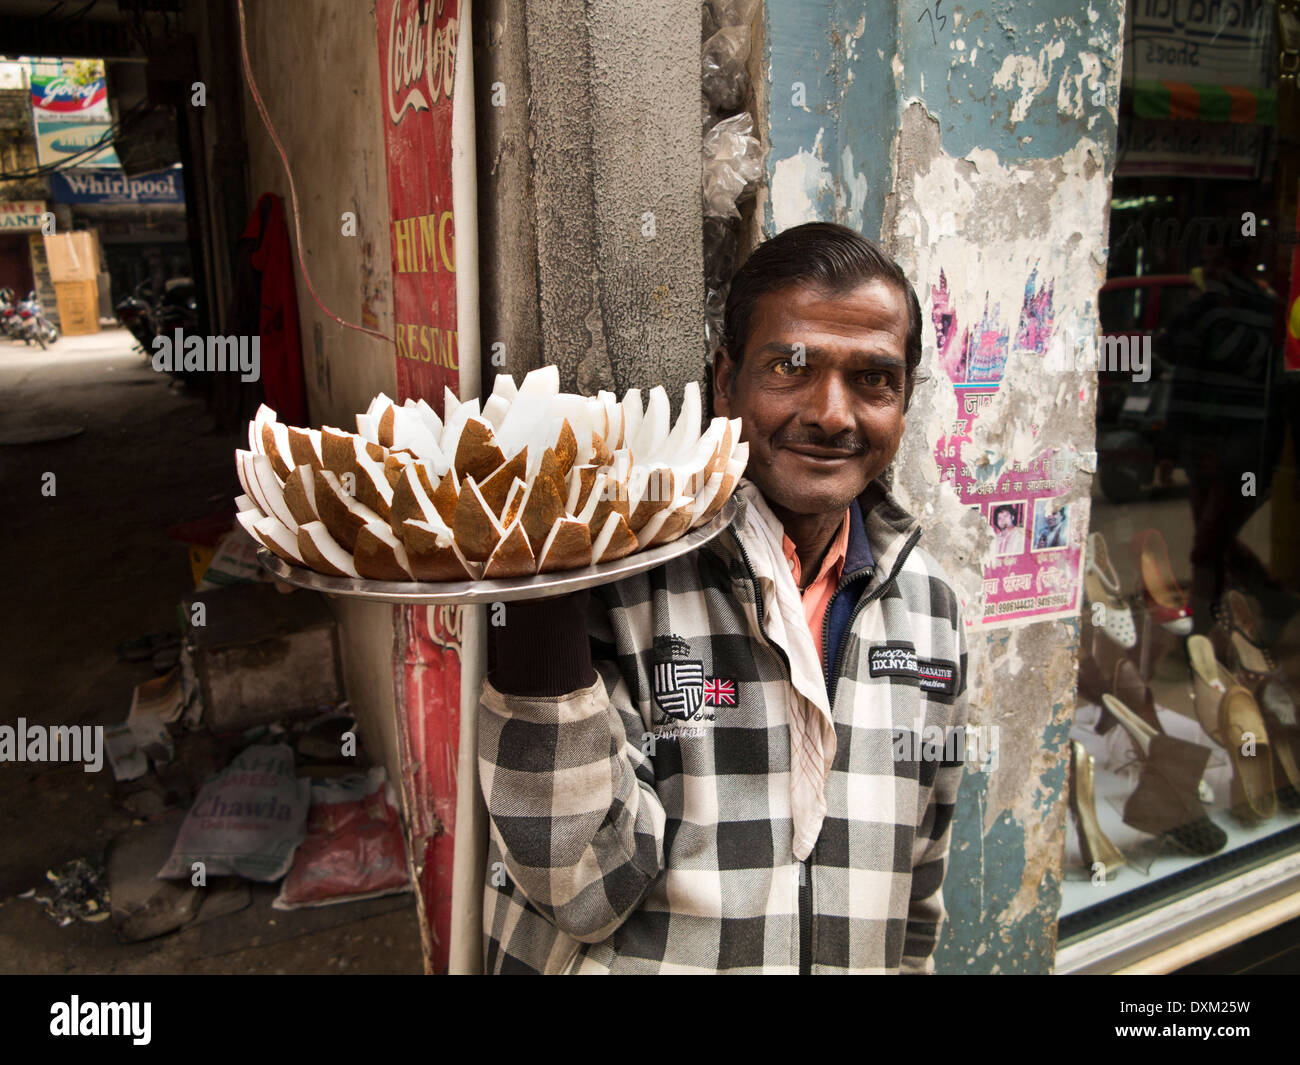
<point>85,185</point>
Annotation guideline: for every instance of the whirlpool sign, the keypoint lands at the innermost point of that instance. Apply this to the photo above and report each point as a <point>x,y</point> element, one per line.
<point>84,185</point>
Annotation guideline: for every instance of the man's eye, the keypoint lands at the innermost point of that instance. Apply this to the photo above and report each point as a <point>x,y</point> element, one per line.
<point>789,368</point>
<point>876,379</point>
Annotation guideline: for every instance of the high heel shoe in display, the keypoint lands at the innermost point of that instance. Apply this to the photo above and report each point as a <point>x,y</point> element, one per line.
<point>1165,802</point>
<point>1231,717</point>
<point>1093,842</point>
<point>1237,645</point>
<point>1104,596</point>
<point>1166,602</point>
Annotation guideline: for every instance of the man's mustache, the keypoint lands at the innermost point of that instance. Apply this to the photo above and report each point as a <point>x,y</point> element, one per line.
<point>846,442</point>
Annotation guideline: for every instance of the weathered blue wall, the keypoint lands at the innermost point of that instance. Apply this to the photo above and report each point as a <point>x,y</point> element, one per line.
<point>976,140</point>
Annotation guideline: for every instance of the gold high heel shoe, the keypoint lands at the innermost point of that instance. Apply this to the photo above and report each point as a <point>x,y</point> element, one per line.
<point>1093,842</point>
<point>1228,713</point>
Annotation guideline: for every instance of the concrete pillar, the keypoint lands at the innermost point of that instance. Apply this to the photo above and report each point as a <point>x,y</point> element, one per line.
<point>589,163</point>
<point>977,143</point>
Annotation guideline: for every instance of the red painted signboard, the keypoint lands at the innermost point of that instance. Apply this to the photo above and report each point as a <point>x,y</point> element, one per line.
<point>417,63</point>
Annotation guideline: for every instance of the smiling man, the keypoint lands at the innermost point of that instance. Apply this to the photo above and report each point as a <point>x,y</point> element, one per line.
<point>735,762</point>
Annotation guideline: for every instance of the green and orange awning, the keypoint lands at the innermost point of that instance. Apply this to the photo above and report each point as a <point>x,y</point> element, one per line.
<point>1205,102</point>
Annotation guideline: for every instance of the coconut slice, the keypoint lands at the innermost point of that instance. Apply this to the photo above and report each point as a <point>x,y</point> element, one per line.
<point>300,495</point>
<point>704,498</point>
<point>244,502</point>
<point>568,546</point>
<point>275,446</point>
<point>613,419</point>
<point>367,427</point>
<point>514,501</point>
<point>410,501</point>
<point>581,481</point>
<point>248,519</point>
<point>385,423</point>
<point>411,433</point>
<point>379,555</point>
<point>444,495</point>
<point>497,486</point>
<point>668,524</point>
<point>680,445</point>
<point>342,514</point>
<point>529,410</point>
<point>600,452</point>
<point>611,497</point>
<point>503,385</point>
<point>450,404</point>
<point>651,495</point>
<point>494,410</point>
<point>304,447</point>
<point>653,434</point>
<point>264,488</point>
<point>433,554</point>
<point>338,453</point>
<point>372,487</point>
<point>263,415</point>
<point>477,453</point>
<point>476,528</point>
<point>394,464</point>
<point>566,447</point>
<point>614,541</point>
<point>430,418</point>
<point>280,539</point>
<point>513,556</point>
<point>729,478</point>
<point>633,414</point>
<point>543,506</point>
<point>552,470</point>
<point>588,510</point>
<point>323,553</point>
<point>455,423</point>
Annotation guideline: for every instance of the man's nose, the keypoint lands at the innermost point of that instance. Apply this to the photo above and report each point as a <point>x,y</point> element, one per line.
<point>829,407</point>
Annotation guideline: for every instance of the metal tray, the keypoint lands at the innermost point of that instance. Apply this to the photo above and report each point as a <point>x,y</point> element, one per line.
<point>502,590</point>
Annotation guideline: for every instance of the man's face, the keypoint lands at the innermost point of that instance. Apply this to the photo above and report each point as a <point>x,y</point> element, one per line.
<point>1004,519</point>
<point>820,390</point>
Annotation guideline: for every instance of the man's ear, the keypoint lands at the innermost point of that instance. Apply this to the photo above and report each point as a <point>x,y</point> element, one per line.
<point>724,371</point>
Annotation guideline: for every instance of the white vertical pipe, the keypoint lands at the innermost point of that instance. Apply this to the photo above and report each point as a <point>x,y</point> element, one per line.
<point>470,853</point>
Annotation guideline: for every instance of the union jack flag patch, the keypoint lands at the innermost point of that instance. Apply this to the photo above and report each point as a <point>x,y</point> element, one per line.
<point>718,692</point>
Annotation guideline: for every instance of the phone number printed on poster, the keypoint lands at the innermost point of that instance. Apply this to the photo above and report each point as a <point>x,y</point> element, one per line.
<point>1037,543</point>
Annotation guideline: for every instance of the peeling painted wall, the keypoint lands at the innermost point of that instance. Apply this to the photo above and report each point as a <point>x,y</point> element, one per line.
<point>976,143</point>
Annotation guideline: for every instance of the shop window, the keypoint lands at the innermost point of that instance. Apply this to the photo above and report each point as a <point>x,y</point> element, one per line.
<point>1185,748</point>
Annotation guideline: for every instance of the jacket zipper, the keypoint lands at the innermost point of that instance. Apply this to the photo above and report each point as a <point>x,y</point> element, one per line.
<point>805,867</point>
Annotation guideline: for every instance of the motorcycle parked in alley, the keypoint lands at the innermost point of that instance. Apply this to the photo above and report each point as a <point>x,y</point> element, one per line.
<point>135,312</point>
<point>25,320</point>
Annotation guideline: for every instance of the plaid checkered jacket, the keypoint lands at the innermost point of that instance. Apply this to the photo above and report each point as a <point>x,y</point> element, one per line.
<point>626,840</point>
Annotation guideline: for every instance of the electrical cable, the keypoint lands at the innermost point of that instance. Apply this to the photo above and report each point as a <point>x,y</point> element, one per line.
<point>293,192</point>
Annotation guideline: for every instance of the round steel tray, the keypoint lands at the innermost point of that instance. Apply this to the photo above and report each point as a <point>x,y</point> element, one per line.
<point>501,590</point>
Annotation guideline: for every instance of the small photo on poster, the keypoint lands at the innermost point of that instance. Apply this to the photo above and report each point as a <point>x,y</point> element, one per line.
<point>1008,521</point>
<point>1051,524</point>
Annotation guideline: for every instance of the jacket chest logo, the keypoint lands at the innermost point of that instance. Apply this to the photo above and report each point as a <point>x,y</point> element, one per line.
<point>679,687</point>
<point>893,660</point>
<point>682,690</point>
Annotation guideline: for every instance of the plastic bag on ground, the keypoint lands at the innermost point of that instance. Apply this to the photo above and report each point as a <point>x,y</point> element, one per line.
<point>247,820</point>
<point>355,848</point>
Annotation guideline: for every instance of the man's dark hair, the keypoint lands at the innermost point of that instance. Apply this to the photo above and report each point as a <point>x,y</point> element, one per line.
<point>827,256</point>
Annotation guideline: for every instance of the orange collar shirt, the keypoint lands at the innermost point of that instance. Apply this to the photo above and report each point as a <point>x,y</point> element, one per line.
<point>817,595</point>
